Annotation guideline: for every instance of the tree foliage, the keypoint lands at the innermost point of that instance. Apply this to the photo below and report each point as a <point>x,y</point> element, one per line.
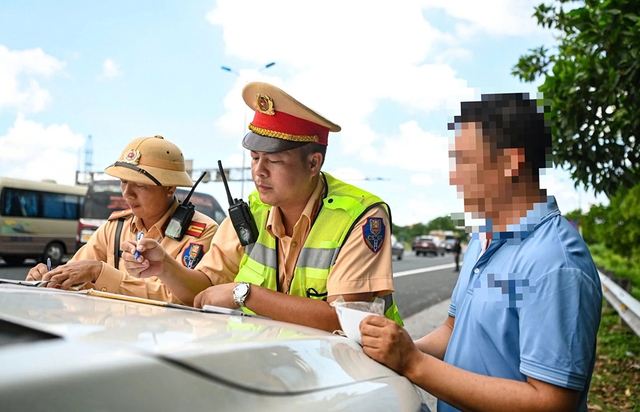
<point>592,82</point>
<point>407,233</point>
<point>616,226</point>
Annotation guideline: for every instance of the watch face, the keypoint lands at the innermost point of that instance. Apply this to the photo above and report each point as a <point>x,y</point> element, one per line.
<point>240,290</point>
<point>240,293</point>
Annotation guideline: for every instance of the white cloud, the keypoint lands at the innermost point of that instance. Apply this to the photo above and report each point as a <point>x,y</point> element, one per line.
<point>413,149</point>
<point>348,174</point>
<point>111,69</point>
<point>496,17</point>
<point>364,55</point>
<point>33,151</point>
<point>421,179</point>
<point>18,87</point>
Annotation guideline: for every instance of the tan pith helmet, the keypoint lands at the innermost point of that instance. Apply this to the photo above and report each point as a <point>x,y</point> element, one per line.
<point>151,160</point>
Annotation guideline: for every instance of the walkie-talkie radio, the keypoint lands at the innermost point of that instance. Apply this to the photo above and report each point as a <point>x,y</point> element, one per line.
<point>240,215</point>
<point>181,218</point>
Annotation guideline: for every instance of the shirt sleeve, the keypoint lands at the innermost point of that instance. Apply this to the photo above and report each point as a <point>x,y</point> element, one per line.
<point>566,304</point>
<point>119,281</point>
<point>222,262</point>
<point>360,268</point>
<point>114,281</point>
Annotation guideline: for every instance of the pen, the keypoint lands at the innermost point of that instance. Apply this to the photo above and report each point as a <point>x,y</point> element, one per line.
<point>48,264</point>
<point>140,236</point>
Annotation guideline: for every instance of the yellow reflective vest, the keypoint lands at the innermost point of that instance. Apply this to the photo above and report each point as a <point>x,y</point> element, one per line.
<point>341,208</point>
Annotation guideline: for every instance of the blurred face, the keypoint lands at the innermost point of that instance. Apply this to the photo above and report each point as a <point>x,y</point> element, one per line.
<point>148,202</point>
<point>479,178</point>
<point>284,179</point>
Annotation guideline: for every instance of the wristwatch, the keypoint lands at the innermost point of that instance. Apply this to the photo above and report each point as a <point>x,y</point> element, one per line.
<point>240,293</point>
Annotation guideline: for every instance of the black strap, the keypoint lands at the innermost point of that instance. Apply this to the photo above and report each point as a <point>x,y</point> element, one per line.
<point>139,170</point>
<point>116,243</point>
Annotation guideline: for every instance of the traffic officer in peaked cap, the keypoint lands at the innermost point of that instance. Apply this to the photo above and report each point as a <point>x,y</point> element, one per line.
<point>316,238</point>
<point>149,169</point>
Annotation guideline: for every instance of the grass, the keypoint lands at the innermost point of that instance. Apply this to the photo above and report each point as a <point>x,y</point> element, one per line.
<point>615,385</point>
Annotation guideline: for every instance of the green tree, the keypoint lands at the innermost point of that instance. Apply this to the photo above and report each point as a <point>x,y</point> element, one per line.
<point>440,223</point>
<point>592,81</point>
<point>620,228</point>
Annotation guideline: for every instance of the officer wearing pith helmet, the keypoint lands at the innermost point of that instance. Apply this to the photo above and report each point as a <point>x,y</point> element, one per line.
<point>317,238</point>
<point>149,169</point>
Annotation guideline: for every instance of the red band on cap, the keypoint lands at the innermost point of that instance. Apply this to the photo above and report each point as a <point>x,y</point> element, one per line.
<point>287,127</point>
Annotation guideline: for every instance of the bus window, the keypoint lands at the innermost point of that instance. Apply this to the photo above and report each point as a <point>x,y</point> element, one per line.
<point>36,220</point>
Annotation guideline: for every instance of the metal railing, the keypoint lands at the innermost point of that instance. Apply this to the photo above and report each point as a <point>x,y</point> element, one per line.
<point>626,305</point>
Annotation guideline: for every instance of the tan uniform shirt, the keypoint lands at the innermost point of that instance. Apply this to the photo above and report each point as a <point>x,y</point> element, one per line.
<point>357,270</point>
<point>187,251</point>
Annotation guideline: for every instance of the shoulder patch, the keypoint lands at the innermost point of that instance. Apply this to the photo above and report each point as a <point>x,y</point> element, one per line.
<point>192,255</point>
<point>373,233</point>
<point>195,229</point>
<point>120,213</point>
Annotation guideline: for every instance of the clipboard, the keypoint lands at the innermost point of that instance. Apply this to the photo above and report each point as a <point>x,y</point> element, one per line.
<point>136,299</point>
<point>30,283</point>
<point>227,311</point>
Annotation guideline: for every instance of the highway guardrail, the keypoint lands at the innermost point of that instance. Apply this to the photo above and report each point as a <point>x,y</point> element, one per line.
<point>626,305</point>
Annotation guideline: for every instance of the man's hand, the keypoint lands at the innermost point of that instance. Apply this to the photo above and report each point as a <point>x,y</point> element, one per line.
<point>388,343</point>
<point>37,272</point>
<point>150,262</point>
<point>220,295</point>
<point>72,274</point>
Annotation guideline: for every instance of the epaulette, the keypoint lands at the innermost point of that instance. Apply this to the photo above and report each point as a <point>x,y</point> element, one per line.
<point>120,213</point>
<point>195,229</point>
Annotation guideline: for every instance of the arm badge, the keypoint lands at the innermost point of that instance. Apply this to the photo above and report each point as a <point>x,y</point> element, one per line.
<point>192,255</point>
<point>373,233</point>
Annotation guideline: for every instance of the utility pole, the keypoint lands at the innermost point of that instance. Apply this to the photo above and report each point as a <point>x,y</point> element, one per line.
<point>88,157</point>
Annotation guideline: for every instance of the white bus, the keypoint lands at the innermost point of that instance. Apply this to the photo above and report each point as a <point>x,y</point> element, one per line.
<point>38,220</point>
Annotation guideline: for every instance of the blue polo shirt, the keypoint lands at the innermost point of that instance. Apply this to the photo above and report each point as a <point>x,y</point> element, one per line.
<point>529,306</point>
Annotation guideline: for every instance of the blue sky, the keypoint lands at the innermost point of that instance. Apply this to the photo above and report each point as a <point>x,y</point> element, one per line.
<point>392,74</point>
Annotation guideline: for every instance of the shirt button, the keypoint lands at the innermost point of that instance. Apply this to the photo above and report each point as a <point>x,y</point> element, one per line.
<point>294,244</point>
<point>476,270</point>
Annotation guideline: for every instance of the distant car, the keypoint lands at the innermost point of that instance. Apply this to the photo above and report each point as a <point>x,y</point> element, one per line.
<point>79,351</point>
<point>397,248</point>
<point>448,245</point>
<point>428,245</point>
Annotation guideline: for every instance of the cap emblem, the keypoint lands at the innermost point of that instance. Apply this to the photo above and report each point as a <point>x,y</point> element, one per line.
<point>132,157</point>
<point>264,104</point>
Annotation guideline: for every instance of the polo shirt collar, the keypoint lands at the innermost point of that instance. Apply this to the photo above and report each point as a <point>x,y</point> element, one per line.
<point>517,232</point>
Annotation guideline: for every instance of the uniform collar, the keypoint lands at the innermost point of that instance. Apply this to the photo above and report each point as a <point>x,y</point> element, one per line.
<point>274,224</point>
<point>160,226</point>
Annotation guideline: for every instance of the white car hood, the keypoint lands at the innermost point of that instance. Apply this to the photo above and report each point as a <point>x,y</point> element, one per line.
<point>252,354</point>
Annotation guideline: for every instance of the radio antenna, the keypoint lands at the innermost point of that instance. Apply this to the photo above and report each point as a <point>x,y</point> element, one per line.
<point>226,185</point>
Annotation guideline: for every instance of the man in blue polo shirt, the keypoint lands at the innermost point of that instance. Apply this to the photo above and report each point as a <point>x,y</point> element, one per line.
<point>524,315</point>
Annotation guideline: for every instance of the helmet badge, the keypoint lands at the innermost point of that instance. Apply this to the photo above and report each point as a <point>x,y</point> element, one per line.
<point>132,157</point>
<point>264,104</point>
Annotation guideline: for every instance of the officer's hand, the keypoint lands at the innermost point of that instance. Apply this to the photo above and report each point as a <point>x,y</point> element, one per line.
<point>388,343</point>
<point>150,261</point>
<point>74,274</point>
<point>220,295</point>
<point>36,272</point>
